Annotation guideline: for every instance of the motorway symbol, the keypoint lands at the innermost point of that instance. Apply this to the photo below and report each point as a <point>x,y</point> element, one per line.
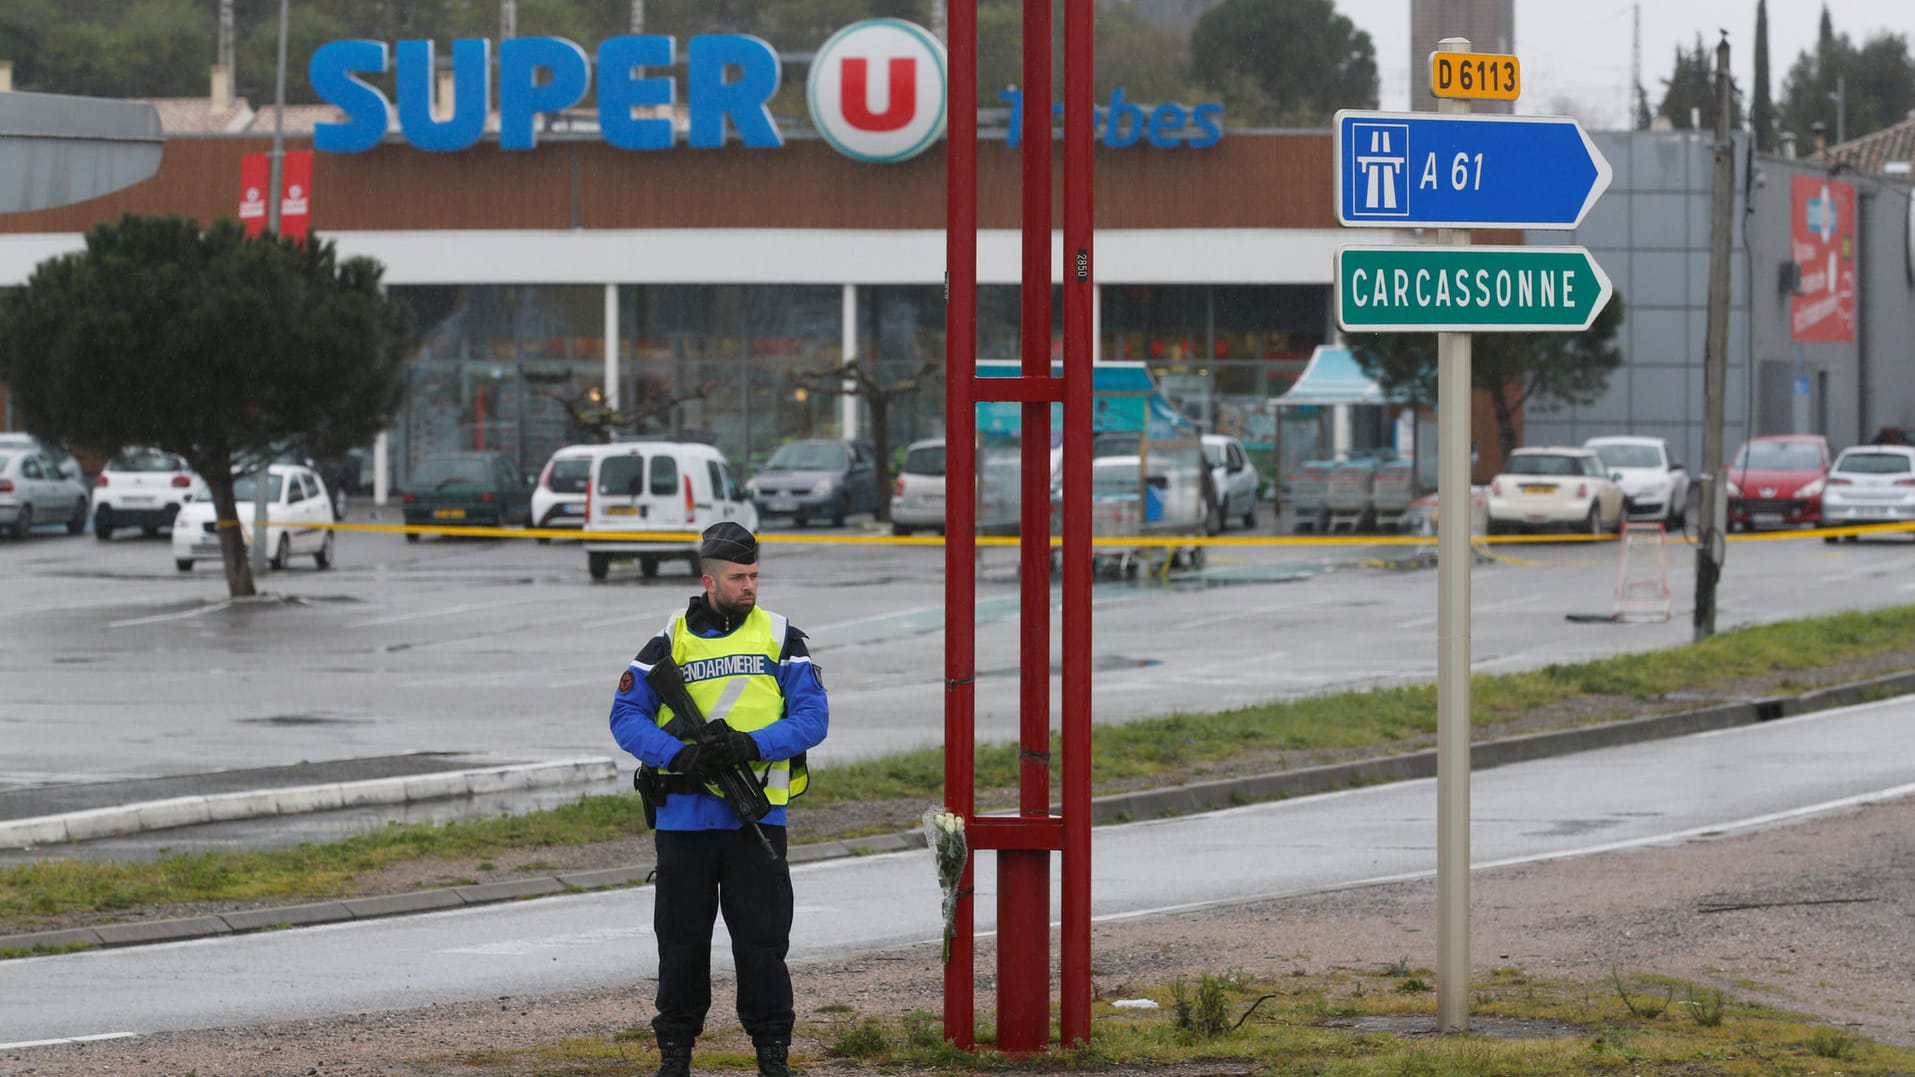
<point>1418,170</point>
<point>1483,76</point>
<point>1405,289</point>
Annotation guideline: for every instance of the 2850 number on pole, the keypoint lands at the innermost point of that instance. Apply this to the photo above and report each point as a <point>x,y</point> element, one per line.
<point>1479,75</point>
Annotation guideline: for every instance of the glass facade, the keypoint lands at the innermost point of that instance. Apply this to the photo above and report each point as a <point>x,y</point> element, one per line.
<point>746,367</point>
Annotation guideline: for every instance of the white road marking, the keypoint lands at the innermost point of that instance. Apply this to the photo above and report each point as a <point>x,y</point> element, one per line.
<point>159,618</point>
<point>1487,607</point>
<point>69,1039</point>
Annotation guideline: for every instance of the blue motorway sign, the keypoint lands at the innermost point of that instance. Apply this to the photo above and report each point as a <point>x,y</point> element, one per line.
<point>1422,170</point>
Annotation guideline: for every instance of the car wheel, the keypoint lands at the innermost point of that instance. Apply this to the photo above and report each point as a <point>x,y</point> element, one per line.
<point>798,520</point>
<point>412,536</point>
<point>838,509</point>
<point>23,523</point>
<point>648,567</point>
<point>698,570</point>
<point>1213,519</point>
<point>544,540</point>
<point>150,531</point>
<point>324,557</point>
<point>900,529</point>
<point>1831,539</point>
<point>282,554</point>
<point>184,564</point>
<point>1593,525</point>
<point>1250,516</point>
<point>598,564</point>
<point>77,522</point>
<point>102,531</point>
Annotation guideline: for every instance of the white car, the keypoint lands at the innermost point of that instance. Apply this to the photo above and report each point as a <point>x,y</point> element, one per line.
<point>142,488</point>
<point>1870,484</point>
<point>1654,485</point>
<point>32,491</point>
<point>13,441</point>
<point>1235,480</point>
<point>1554,487</point>
<point>297,510</point>
<point>917,498</point>
<point>559,499</point>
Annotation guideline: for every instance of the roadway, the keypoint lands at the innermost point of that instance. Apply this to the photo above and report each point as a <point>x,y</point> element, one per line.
<point>1687,789</point>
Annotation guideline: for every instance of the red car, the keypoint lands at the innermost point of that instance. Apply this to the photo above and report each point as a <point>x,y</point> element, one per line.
<point>1776,481</point>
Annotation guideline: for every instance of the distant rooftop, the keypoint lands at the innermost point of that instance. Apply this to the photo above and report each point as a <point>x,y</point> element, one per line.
<point>1884,152</point>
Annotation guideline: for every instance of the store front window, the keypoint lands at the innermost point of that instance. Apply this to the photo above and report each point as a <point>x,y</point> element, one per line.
<point>493,367</point>
<point>1219,351</point>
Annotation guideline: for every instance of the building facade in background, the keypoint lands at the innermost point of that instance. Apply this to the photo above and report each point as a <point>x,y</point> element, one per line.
<point>1490,26</point>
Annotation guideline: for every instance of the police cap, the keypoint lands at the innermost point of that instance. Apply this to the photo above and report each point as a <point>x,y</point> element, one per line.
<point>728,541</point>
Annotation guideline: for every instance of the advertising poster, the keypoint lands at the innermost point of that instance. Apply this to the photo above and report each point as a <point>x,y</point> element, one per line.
<point>1822,244</point>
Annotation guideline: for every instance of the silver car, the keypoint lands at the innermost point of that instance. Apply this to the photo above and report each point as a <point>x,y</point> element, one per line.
<point>917,499</point>
<point>32,491</point>
<point>1870,484</point>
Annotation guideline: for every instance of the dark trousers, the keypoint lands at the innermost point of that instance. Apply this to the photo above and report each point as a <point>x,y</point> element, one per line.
<point>702,873</point>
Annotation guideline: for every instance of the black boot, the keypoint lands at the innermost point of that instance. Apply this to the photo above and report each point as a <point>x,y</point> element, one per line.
<point>772,1058</point>
<point>674,1059</point>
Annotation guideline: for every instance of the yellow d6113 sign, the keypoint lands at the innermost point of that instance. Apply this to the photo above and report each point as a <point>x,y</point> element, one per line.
<point>1483,75</point>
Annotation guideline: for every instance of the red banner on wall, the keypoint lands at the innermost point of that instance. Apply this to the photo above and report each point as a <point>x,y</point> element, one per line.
<point>295,187</point>
<point>1822,245</point>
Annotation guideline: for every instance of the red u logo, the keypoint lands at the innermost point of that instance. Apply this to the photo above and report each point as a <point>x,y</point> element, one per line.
<point>898,111</point>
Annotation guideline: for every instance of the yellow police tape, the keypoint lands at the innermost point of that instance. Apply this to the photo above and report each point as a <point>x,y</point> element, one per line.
<point>1102,541</point>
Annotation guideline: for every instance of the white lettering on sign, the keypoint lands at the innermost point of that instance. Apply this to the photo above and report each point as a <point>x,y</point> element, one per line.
<point>1523,289</point>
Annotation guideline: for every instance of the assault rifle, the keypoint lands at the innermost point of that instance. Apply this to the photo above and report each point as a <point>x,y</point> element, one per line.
<point>736,783</point>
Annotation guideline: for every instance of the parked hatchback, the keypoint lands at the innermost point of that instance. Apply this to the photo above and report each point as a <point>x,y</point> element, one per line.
<point>1554,487</point>
<point>32,491</point>
<point>1654,485</point>
<point>298,510</point>
<point>917,501</point>
<point>142,488</point>
<point>1777,480</point>
<point>466,489</point>
<point>1870,484</point>
<point>559,499</point>
<point>816,478</point>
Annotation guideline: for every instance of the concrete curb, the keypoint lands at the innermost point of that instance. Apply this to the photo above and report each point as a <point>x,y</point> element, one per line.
<point>1180,800</point>
<point>294,800</point>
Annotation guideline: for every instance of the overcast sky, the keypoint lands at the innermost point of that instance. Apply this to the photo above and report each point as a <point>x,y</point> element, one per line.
<point>1580,51</point>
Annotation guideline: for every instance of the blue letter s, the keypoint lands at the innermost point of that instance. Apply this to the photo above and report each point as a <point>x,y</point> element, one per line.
<point>333,73</point>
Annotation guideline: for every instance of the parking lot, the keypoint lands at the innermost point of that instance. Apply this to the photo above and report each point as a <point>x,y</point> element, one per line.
<point>119,666</point>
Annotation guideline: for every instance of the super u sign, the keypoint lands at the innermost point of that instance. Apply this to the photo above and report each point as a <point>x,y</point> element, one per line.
<point>876,90</point>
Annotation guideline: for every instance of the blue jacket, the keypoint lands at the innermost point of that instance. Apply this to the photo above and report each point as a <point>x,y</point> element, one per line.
<point>635,720</point>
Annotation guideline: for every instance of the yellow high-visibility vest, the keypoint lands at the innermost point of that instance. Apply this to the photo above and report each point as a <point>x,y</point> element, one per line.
<point>735,678</point>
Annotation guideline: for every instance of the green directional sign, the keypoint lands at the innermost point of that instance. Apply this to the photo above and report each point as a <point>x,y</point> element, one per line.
<point>1468,289</point>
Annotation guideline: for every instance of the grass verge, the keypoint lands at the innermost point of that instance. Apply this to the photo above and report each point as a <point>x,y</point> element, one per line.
<point>1176,748</point>
<point>1341,1023</point>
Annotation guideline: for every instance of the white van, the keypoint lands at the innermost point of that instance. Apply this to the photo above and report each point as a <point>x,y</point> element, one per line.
<point>657,486</point>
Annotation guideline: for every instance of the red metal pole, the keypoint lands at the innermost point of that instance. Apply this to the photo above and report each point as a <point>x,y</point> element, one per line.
<point>960,544</point>
<point>1024,877</point>
<point>1079,282</point>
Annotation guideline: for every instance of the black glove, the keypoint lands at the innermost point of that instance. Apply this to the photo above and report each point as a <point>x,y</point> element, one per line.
<point>722,742</point>
<point>696,760</point>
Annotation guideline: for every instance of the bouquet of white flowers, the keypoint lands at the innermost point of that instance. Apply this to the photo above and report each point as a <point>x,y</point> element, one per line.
<point>944,833</point>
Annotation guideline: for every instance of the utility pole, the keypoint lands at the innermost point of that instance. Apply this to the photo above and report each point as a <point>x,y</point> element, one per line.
<point>263,480</point>
<point>1710,546</point>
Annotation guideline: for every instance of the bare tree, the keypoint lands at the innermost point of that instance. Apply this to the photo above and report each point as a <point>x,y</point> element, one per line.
<point>602,422</point>
<point>854,378</point>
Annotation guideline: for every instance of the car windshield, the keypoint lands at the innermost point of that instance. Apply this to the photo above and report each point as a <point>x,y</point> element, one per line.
<point>807,456</point>
<point>243,488</point>
<point>146,460</point>
<point>1545,464</point>
<point>925,460</point>
<point>446,470</point>
<point>1779,456</point>
<point>1629,455</point>
<point>570,476</point>
<point>1873,463</point>
<point>1213,454</point>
